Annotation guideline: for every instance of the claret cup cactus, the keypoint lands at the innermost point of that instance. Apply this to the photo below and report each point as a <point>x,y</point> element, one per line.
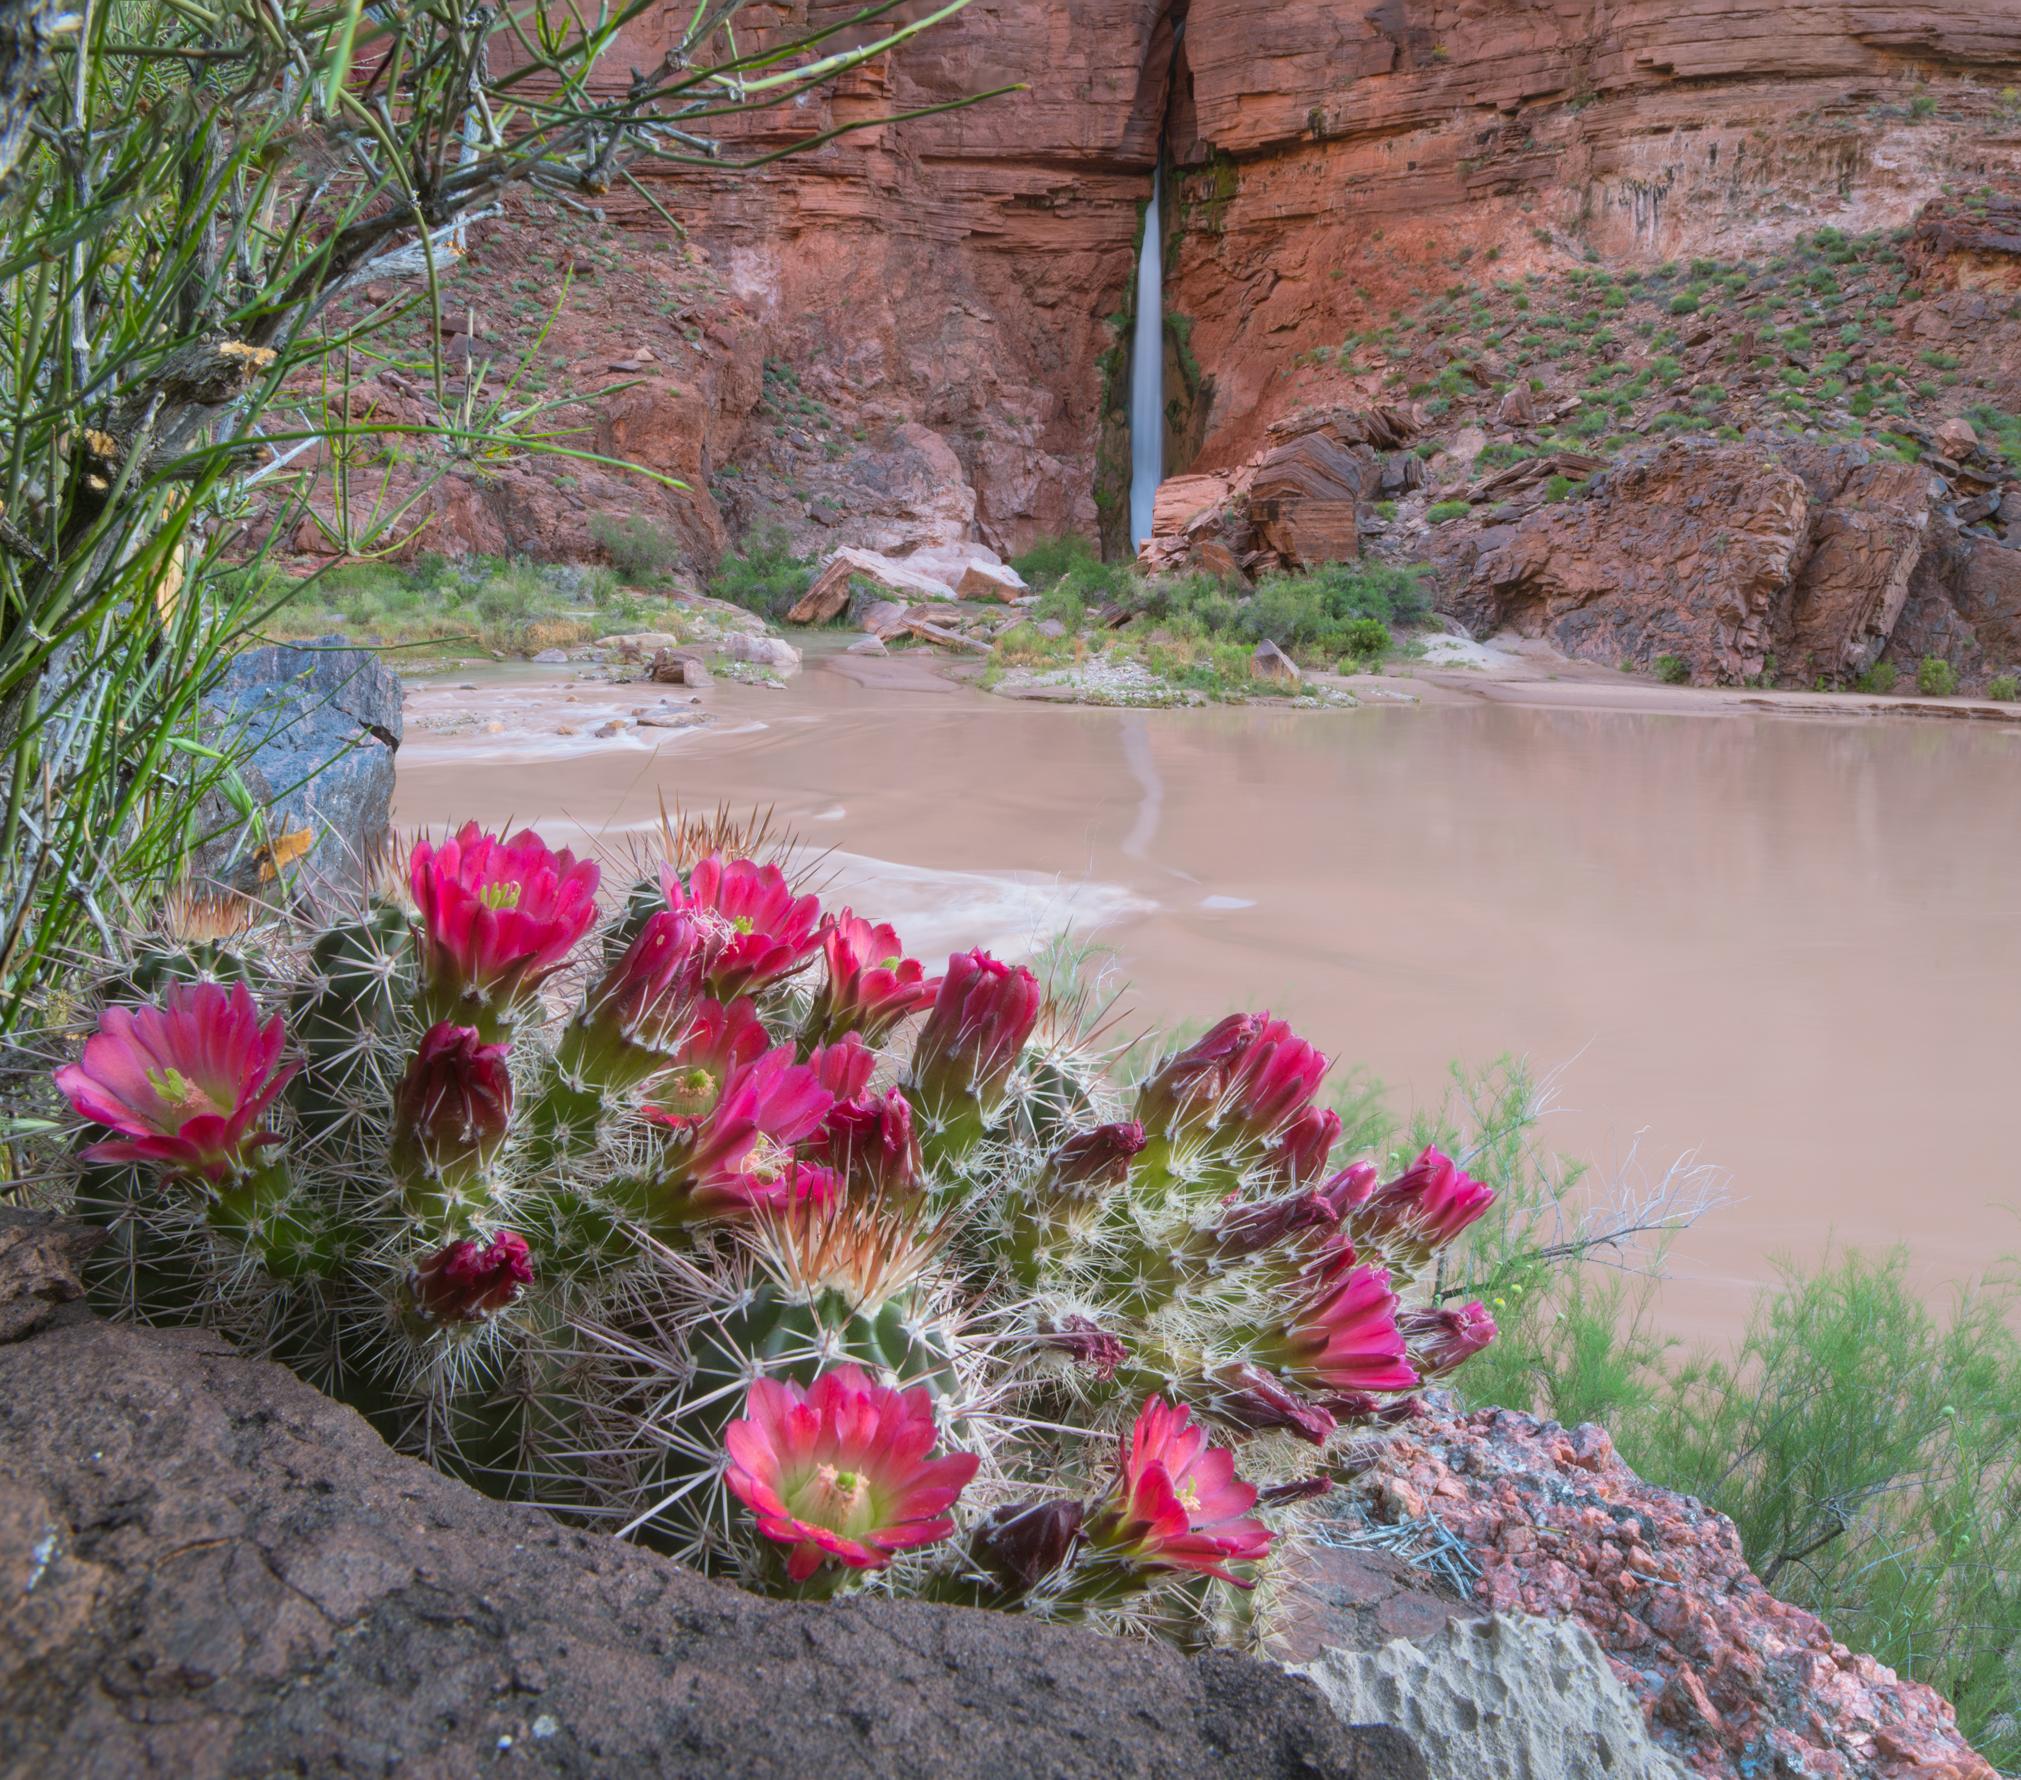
<point>733,1228</point>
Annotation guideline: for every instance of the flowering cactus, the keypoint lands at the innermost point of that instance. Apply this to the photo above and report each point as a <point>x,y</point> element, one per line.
<point>807,1275</point>
<point>185,1084</point>
<point>839,1472</point>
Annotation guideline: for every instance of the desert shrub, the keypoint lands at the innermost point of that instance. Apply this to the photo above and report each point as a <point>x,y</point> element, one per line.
<point>1333,610</point>
<point>1442,511</point>
<point>1880,678</point>
<point>2005,687</point>
<point>643,552</point>
<point>764,575</point>
<point>1064,603</point>
<point>1672,670</point>
<point>1936,677</point>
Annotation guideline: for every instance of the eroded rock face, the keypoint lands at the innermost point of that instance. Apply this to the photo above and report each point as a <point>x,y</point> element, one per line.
<point>1690,550</point>
<point>206,1568</point>
<point>1730,1679</point>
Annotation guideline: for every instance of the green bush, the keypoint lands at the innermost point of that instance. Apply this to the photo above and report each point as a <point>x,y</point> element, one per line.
<point>1672,670</point>
<point>644,553</point>
<point>1337,609</point>
<point>1936,678</point>
<point>1879,678</point>
<point>764,576</point>
<point>2005,687</point>
<point>1442,511</point>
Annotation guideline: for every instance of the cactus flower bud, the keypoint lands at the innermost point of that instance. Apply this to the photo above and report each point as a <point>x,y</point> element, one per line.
<point>1423,1209</point>
<point>452,1107</point>
<point>1299,1154</point>
<point>871,984</point>
<point>1252,1396</point>
<point>871,1145</point>
<point>1088,1343</point>
<point>1350,1187</point>
<point>1237,1091</point>
<point>641,1009</point>
<point>972,1039</point>
<point>1443,1340</point>
<point>184,1084</point>
<point>1027,1542</point>
<point>1266,1223</point>
<point>497,918</point>
<point>468,1281</point>
<point>1302,1489</point>
<point>1089,1165</point>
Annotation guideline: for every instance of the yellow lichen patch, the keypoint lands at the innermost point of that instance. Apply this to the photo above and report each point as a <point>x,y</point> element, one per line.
<point>256,358</point>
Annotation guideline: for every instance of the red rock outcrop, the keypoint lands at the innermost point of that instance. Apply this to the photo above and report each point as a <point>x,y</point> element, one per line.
<point>1731,1679</point>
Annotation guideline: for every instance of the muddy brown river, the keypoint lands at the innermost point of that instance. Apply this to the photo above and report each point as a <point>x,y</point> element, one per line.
<point>1787,947</point>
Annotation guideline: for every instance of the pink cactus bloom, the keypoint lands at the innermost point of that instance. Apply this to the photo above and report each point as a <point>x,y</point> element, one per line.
<point>721,1043</point>
<point>741,1156</point>
<point>1443,1340</point>
<point>1345,1337</point>
<point>765,931</point>
<point>468,1281</point>
<point>649,996</point>
<point>845,1067</point>
<point>1244,1083</point>
<point>871,984</point>
<point>1091,1164</point>
<point>972,1039</point>
<point>1424,1208</point>
<point>185,1084</point>
<point>452,1107</point>
<point>497,916</point>
<point>840,1470</point>
<point>1177,1503</point>
<point>872,1146</point>
<point>1350,1187</point>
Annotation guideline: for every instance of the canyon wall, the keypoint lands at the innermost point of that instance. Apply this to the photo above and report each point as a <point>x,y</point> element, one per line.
<point>969,271</point>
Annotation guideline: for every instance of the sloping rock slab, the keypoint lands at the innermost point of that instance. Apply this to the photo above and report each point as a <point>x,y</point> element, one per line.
<point>207,1568</point>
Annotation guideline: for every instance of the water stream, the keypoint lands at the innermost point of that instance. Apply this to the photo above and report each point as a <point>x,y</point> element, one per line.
<point>1147,370</point>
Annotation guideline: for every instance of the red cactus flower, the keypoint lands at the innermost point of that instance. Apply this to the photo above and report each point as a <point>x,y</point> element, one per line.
<point>1090,1164</point>
<point>467,1281</point>
<point>840,1470</point>
<point>497,917</point>
<point>871,984</point>
<point>972,1039</point>
<point>845,1067</point>
<point>642,1007</point>
<point>452,1107</point>
<point>1345,1337</point>
<point>871,1144</point>
<point>1424,1208</point>
<point>185,1083</point>
<point>1243,1085</point>
<point>1442,1340</point>
<point>741,1156</point>
<point>1177,1503</point>
<point>721,1042</point>
<point>766,932</point>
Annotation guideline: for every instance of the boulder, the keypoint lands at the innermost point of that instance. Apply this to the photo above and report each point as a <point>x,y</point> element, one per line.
<point>867,646</point>
<point>771,652</point>
<point>314,729</point>
<point>638,645</point>
<point>681,667</point>
<point>828,595</point>
<point>1268,662</point>
<point>1866,538</point>
<point>1518,408</point>
<point>882,618</point>
<point>1304,495</point>
<point>551,657</point>
<point>974,571</point>
<point>1955,437</point>
<point>212,1570</point>
<point>1688,550</point>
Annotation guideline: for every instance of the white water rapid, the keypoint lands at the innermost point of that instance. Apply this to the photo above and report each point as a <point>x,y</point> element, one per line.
<point>1147,373</point>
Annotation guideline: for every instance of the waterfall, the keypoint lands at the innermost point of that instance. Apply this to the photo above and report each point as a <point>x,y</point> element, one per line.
<point>1147,372</point>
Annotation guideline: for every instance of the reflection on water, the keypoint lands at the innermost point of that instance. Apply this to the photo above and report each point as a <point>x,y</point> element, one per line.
<point>1788,945</point>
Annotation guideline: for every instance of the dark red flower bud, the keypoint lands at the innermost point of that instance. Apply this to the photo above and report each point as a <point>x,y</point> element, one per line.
<point>1304,1489</point>
<point>1300,1153</point>
<point>1025,1544</point>
<point>1090,1164</point>
<point>1264,1223</point>
<point>1255,1397</point>
<point>871,1144</point>
<point>1441,1340</point>
<point>1350,1187</point>
<point>466,1281</point>
<point>452,1107</point>
<point>1089,1343</point>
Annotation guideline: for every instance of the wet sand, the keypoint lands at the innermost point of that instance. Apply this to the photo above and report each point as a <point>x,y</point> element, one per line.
<point>1786,945</point>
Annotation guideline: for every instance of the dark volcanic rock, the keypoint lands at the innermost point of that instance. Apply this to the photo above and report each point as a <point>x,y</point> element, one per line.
<point>323,722</point>
<point>207,1568</point>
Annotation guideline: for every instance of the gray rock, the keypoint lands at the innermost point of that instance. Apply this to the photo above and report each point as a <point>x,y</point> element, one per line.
<point>772,652</point>
<point>209,1569</point>
<point>551,657</point>
<point>321,724</point>
<point>867,646</point>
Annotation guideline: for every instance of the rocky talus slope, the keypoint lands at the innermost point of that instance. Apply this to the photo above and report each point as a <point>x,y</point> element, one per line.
<point>207,1568</point>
